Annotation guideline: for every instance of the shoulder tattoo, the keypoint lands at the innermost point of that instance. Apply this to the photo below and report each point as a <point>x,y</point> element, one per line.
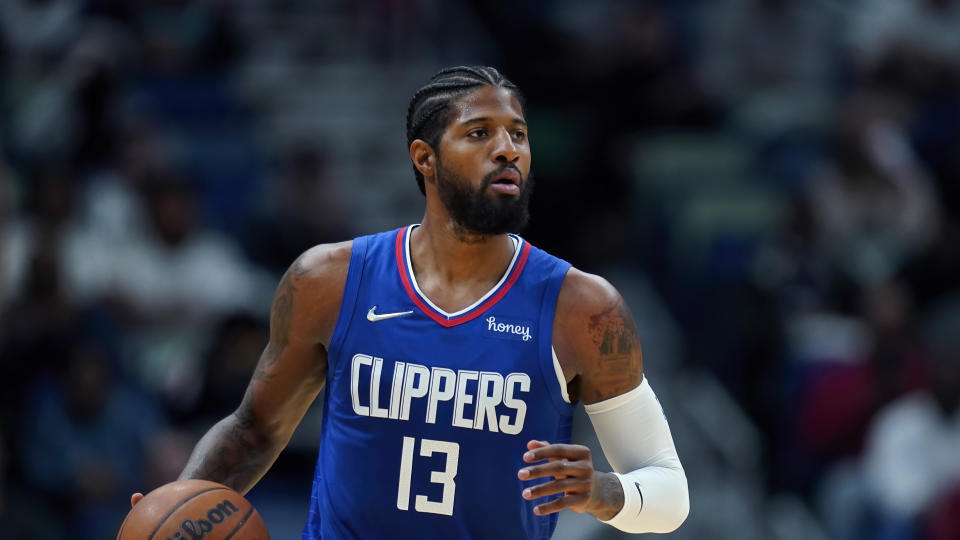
<point>281,319</point>
<point>281,312</point>
<point>618,366</point>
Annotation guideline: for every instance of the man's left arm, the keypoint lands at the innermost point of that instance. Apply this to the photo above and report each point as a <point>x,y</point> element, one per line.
<point>598,347</point>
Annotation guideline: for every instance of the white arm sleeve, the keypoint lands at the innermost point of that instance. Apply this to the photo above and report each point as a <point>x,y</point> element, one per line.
<point>636,440</point>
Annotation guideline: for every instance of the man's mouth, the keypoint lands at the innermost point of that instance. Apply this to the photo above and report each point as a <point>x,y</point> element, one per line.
<point>506,182</point>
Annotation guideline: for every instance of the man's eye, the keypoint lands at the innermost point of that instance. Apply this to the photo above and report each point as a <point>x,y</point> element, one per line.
<point>519,135</point>
<point>477,133</point>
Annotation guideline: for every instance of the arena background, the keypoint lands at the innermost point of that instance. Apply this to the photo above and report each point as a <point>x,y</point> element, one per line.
<point>772,184</point>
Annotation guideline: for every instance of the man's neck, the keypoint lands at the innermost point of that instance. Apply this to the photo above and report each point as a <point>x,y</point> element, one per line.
<point>453,266</point>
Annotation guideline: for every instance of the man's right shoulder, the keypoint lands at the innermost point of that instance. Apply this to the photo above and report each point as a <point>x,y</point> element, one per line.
<point>319,272</point>
<point>324,261</point>
<point>311,291</point>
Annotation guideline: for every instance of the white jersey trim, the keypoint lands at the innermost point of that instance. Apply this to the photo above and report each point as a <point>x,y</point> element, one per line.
<point>560,378</point>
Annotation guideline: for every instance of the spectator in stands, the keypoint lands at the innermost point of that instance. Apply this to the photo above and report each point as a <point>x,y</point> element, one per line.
<point>180,270</point>
<point>911,456</point>
<point>174,282</point>
<point>301,208</point>
<point>768,61</point>
<point>873,203</point>
<point>841,395</point>
<point>83,439</point>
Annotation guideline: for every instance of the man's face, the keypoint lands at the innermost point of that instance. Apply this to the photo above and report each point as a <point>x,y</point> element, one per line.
<point>483,163</point>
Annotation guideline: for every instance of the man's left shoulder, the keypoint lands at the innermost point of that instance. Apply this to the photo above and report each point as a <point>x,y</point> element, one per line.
<point>583,294</point>
<point>596,338</point>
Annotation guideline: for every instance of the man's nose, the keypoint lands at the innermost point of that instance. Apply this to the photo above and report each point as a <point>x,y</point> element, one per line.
<point>506,148</point>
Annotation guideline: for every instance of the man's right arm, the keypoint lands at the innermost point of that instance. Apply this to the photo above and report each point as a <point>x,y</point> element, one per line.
<point>239,449</point>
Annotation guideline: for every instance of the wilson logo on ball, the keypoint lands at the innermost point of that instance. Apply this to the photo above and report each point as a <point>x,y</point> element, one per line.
<point>195,529</point>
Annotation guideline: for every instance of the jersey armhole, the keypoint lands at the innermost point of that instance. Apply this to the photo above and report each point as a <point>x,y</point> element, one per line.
<point>561,380</point>
<point>549,366</point>
<point>349,302</point>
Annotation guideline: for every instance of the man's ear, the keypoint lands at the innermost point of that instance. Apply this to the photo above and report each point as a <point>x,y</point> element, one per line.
<point>424,158</point>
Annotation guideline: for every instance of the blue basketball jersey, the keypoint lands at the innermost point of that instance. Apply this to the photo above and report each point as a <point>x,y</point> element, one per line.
<point>427,414</point>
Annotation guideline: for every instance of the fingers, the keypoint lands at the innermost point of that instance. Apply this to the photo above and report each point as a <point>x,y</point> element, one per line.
<point>569,486</point>
<point>574,502</point>
<point>570,466</point>
<point>135,498</point>
<point>536,444</point>
<point>532,445</point>
<point>559,469</point>
<point>543,450</point>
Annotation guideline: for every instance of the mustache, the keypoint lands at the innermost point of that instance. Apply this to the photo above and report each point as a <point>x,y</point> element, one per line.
<point>488,178</point>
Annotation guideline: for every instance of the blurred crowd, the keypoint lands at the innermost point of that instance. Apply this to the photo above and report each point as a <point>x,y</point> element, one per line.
<point>784,173</point>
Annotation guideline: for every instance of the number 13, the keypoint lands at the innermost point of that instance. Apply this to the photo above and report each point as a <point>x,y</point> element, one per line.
<point>445,477</point>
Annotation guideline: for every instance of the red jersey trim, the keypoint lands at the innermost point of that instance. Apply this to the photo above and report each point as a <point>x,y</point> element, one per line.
<point>466,317</point>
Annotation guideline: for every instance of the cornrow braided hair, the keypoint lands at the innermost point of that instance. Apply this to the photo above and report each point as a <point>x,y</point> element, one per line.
<point>429,110</point>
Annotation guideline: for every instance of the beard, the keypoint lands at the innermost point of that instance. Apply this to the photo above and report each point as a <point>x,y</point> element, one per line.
<point>476,212</point>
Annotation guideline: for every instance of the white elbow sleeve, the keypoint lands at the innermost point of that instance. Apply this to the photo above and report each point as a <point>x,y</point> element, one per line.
<point>636,440</point>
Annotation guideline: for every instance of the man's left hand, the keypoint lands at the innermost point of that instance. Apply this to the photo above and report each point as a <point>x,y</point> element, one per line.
<point>571,467</point>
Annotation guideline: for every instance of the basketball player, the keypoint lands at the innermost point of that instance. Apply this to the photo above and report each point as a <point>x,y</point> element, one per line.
<point>453,352</point>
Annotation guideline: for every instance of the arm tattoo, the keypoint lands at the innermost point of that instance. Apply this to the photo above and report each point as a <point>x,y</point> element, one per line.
<point>618,364</point>
<point>231,453</point>
<point>269,357</point>
<point>281,317</point>
<point>281,312</point>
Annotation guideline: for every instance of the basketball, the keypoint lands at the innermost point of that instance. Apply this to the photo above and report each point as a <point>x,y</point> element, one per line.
<point>190,509</point>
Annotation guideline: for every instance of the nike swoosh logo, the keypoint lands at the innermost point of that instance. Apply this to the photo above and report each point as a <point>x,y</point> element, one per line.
<point>641,496</point>
<point>374,317</point>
